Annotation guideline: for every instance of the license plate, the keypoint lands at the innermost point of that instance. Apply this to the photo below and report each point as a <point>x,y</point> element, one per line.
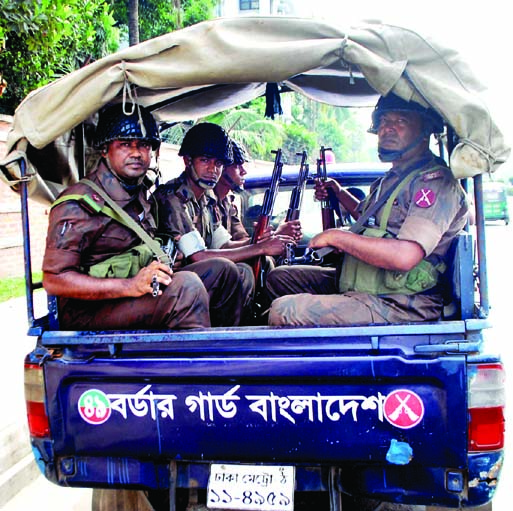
<point>255,487</point>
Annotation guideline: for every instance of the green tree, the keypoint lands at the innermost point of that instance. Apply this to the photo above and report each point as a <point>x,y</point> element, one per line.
<point>133,22</point>
<point>335,127</point>
<point>157,17</point>
<point>41,40</point>
<point>246,124</point>
<point>297,139</point>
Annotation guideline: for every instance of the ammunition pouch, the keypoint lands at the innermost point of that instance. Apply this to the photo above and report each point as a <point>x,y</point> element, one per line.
<point>358,276</point>
<point>123,265</point>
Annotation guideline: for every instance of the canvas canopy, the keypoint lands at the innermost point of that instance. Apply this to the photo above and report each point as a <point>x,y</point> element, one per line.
<point>215,65</point>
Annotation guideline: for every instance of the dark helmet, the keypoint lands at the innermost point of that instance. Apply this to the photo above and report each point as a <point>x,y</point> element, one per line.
<point>207,139</point>
<point>115,124</point>
<point>433,123</point>
<point>240,155</point>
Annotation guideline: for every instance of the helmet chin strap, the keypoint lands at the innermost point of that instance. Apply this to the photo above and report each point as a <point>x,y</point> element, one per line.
<point>206,184</point>
<point>389,155</point>
<point>130,186</point>
<point>234,187</point>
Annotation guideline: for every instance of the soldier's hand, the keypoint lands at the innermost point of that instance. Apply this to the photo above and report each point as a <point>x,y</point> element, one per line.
<point>275,245</point>
<point>321,188</point>
<point>149,279</point>
<point>266,234</point>
<point>324,239</point>
<point>179,261</point>
<point>291,228</point>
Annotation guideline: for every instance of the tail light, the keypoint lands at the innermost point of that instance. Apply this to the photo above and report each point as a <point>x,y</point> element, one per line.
<point>486,408</point>
<point>35,401</point>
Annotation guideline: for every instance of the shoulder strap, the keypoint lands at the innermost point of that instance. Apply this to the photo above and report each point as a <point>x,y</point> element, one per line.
<point>382,199</point>
<point>392,196</point>
<point>120,215</point>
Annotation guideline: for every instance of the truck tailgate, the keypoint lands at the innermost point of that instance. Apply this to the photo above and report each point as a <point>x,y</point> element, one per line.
<point>295,399</point>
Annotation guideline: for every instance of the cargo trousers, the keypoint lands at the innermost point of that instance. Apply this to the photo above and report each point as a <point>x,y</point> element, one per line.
<point>184,304</point>
<point>309,296</point>
<point>228,285</point>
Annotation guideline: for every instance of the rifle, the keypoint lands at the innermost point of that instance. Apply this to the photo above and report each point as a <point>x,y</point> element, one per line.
<point>267,209</point>
<point>296,196</point>
<point>171,250</point>
<point>311,256</point>
<point>327,205</point>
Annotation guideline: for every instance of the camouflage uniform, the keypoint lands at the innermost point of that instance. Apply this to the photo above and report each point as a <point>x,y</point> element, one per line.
<point>230,218</point>
<point>79,238</point>
<point>430,211</point>
<point>184,218</point>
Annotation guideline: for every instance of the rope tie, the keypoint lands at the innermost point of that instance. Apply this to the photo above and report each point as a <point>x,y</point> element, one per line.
<point>132,96</point>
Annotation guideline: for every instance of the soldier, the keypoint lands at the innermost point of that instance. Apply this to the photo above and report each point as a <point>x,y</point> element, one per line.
<point>394,256</point>
<point>188,211</point>
<point>103,276</point>
<point>232,180</point>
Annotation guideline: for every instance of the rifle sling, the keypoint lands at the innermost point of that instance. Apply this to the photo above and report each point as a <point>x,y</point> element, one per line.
<point>119,215</point>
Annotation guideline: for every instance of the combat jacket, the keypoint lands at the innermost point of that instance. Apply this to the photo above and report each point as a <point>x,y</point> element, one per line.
<point>195,224</point>
<point>78,237</point>
<point>420,202</point>
<point>430,210</point>
<point>230,218</point>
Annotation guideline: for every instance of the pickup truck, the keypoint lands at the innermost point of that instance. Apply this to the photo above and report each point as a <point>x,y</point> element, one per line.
<point>392,416</point>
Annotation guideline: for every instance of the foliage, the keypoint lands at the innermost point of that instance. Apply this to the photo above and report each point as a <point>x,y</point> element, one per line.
<point>14,287</point>
<point>309,126</point>
<point>297,139</point>
<point>157,17</point>
<point>44,39</point>
<point>47,38</point>
<point>247,125</point>
<point>336,127</point>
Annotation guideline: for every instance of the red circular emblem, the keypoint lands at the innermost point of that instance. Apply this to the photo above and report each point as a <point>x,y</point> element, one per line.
<point>424,198</point>
<point>403,408</point>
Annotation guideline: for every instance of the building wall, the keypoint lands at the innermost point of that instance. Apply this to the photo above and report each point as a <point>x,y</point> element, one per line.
<point>11,236</point>
<point>231,8</point>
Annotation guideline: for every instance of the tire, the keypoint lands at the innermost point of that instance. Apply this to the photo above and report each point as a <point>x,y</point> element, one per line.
<point>376,505</point>
<point>120,500</point>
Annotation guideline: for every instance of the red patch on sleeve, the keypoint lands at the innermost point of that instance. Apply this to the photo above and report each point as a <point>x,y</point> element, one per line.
<point>424,198</point>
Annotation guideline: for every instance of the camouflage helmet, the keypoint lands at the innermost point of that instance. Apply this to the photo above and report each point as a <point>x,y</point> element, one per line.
<point>207,139</point>
<point>240,155</point>
<point>433,122</point>
<point>115,124</point>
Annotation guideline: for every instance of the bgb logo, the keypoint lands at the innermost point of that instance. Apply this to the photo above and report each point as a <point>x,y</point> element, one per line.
<point>403,408</point>
<point>94,406</point>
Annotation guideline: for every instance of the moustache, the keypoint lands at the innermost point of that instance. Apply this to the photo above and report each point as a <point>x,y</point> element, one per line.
<point>389,138</point>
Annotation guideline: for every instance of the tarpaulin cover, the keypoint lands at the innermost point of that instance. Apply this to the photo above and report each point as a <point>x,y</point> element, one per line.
<point>215,65</point>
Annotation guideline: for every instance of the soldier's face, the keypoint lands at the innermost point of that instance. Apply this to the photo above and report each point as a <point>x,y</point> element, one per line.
<point>235,174</point>
<point>207,168</point>
<point>129,159</point>
<point>397,130</point>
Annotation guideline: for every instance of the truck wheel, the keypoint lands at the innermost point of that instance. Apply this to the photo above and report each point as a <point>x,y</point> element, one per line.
<point>120,500</point>
<point>361,504</point>
<point>486,507</point>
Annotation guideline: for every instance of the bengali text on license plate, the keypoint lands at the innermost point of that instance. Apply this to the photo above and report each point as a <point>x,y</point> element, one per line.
<point>256,487</point>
